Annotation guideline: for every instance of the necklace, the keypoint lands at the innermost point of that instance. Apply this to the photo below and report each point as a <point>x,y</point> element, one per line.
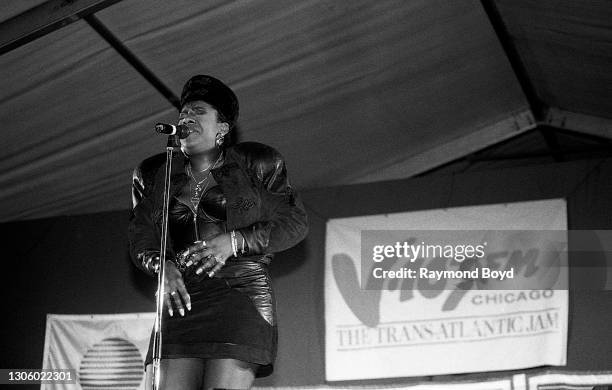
<point>200,188</point>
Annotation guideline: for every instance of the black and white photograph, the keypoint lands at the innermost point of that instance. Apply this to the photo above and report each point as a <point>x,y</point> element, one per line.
<point>306,194</point>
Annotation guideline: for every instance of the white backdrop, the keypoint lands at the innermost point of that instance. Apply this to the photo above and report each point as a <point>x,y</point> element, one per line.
<point>105,350</point>
<point>390,330</point>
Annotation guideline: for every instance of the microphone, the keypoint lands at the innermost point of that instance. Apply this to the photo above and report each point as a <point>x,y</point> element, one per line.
<point>181,130</point>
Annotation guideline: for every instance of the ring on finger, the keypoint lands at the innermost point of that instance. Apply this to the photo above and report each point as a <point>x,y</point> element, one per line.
<point>215,259</point>
<point>211,257</point>
<point>182,256</point>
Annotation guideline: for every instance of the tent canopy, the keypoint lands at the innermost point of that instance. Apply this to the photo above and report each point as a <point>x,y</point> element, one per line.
<point>348,91</point>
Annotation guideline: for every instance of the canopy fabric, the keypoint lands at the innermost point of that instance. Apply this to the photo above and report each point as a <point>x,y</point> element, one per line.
<point>567,48</point>
<point>348,91</point>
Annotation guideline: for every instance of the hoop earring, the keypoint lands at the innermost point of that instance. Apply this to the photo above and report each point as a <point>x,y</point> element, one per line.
<point>219,138</point>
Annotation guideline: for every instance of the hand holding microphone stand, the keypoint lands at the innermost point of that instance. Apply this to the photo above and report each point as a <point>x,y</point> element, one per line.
<point>174,134</point>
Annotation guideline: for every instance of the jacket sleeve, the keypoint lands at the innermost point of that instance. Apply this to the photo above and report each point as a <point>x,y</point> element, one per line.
<point>286,221</point>
<point>143,233</point>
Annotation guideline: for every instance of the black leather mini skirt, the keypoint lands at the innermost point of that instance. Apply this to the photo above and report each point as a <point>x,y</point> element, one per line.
<point>232,316</point>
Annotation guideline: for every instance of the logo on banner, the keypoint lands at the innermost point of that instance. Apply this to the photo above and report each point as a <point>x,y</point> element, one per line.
<point>111,363</point>
<point>406,302</point>
<point>532,266</point>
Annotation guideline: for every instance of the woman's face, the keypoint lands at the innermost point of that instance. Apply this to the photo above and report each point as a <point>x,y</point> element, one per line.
<point>202,120</point>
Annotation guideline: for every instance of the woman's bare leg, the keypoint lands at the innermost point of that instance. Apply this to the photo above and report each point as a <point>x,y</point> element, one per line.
<point>228,374</point>
<point>179,374</point>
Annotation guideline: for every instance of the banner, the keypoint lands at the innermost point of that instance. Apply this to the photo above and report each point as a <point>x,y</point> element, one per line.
<point>545,380</point>
<point>106,351</point>
<point>449,291</point>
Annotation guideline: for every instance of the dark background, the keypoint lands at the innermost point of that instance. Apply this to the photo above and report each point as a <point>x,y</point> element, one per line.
<point>80,265</point>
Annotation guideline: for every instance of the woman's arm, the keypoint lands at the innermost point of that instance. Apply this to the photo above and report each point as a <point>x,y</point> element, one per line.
<point>143,234</point>
<point>287,221</point>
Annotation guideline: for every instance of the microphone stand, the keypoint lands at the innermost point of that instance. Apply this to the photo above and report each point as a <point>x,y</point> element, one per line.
<point>173,142</point>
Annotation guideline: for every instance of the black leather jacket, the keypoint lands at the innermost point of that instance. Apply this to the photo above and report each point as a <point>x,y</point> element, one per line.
<point>261,204</point>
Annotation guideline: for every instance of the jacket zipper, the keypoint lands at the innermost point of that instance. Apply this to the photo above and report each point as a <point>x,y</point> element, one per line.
<point>195,225</point>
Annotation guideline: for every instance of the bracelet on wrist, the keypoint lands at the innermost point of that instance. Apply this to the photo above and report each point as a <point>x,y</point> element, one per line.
<point>234,243</point>
<point>149,261</point>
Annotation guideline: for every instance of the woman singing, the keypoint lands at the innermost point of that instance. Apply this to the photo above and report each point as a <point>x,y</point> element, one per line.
<point>231,208</point>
